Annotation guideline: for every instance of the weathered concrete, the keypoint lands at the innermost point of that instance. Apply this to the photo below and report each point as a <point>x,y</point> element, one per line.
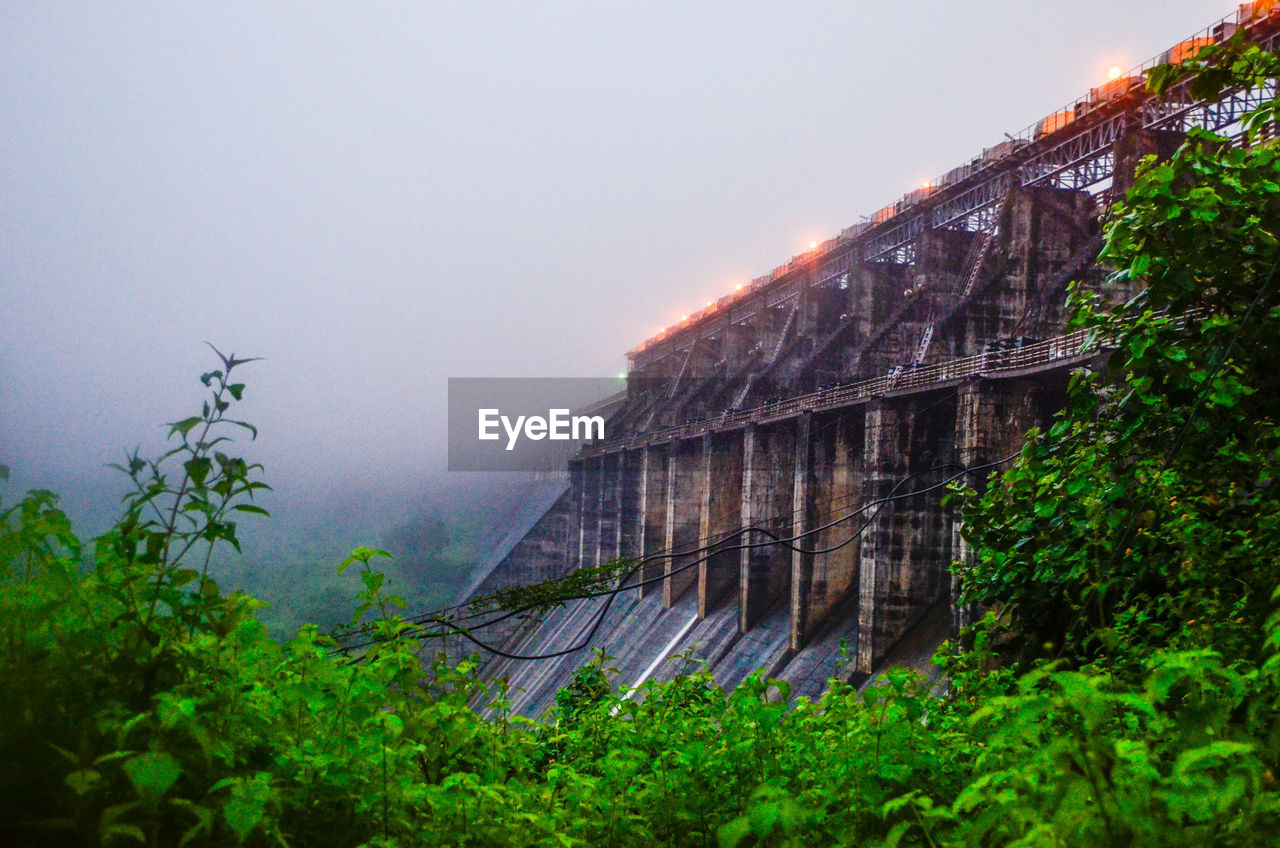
<point>685,483</point>
<point>768,468</point>
<point>906,549</point>
<point>720,518</point>
<point>857,485</point>
<point>653,516</point>
<point>589,508</point>
<point>609,534</point>
<point>803,522</point>
<point>825,580</point>
<point>630,516</point>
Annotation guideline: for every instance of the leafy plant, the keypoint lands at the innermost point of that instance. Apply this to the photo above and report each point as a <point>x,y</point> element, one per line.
<point>1122,687</point>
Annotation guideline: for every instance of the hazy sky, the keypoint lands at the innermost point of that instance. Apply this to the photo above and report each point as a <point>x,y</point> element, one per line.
<point>378,196</point>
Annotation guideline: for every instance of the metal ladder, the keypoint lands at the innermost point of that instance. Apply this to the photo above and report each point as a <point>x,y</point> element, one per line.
<point>773,357</point>
<point>925,338</point>
<point>973,265</point>
<point>782,336</point>
<point>684,366</point>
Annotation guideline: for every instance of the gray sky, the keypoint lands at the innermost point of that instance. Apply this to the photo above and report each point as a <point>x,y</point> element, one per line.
<point>378,196</point>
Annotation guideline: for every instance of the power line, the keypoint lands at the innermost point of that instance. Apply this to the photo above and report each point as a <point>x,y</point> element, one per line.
<point>611,594</point>
<point>715,548</point>
<point>711,541</point>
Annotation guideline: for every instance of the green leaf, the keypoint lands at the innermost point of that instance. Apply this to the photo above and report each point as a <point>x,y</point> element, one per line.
<point>362,555</point>
<point>204,820</point>
<point>895,835</point>
<point>82,781</point>
<point>729,835</point>
<point>373,581</point>
<point>183,576</point>
<point>152,774</point>
<point>176,711</point>
<point>129,830</point>
<point>154,547</point>
<point>242,814</point>
<point>198,468</point>
<point>246,805</point>
<point>184,426</point>
<point>1223,398</point>
<point>392,726</point>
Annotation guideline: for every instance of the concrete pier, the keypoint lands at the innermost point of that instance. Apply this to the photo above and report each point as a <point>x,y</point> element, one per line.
<point>827,408</point>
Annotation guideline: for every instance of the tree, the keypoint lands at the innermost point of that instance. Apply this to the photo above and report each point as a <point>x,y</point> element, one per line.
<point>1147,514</point>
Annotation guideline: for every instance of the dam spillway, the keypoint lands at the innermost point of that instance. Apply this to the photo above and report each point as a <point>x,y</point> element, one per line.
<point>919,343</point>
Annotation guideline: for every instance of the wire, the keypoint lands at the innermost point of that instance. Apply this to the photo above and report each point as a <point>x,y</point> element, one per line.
<point>712,541</point>
<point>774,540</point>
<point>715,549</point>
<point>879,503</point>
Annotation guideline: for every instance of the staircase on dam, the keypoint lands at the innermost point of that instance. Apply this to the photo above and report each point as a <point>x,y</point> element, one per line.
<point>828,403</point>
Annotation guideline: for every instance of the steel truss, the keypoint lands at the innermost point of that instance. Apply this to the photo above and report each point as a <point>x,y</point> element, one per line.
<point>1079,157</point>
<point>1084,159</point>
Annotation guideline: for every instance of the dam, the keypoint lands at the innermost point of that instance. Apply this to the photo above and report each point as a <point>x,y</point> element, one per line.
<point>778,465</point>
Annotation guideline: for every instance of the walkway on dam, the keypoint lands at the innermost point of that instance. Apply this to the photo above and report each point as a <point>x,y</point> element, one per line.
<point>1062,351</point>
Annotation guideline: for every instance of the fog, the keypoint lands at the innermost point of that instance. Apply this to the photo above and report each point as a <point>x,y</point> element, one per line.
<point>377,197</point>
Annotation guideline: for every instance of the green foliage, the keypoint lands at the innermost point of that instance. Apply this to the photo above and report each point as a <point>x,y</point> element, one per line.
<point>1134,542</point>
<point>547,595</point>
<point>1146,516</point>
<point>288,562</point>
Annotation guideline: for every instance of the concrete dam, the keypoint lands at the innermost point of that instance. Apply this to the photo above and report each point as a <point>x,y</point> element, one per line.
<point>827,403</point>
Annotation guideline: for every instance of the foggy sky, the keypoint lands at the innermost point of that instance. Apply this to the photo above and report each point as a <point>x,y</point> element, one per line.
<point>376,197</point>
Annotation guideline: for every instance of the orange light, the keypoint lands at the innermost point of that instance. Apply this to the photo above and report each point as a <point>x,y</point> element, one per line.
<point>812,245</point>
<point>738,287</point>
<point>1114,73</point>
<point>924,184</point>
<point>684,317</point>
<point>708,303</point>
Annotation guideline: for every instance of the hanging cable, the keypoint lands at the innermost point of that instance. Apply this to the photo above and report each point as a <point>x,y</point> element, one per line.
<point>611,594</point>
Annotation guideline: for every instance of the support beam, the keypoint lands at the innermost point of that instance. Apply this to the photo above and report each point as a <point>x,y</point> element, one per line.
<point>721,517</point>
<point>768,458</point>
<point>608,538</point>
<point>630,516</point>
<point>589,525</point>
<point>831,577</point>
<point>802,520</point>
<point>906,550</point>
<point>573,529</point>
<point>684,503</point>
<point>653,511</point>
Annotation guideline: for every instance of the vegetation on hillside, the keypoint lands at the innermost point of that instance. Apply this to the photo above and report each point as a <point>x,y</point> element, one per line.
<point>290,565</point>
<point>1123,688</point>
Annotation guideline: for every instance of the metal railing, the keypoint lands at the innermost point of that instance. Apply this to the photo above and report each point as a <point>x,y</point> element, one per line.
<point>1037,356</point>
<point>1033,157</point>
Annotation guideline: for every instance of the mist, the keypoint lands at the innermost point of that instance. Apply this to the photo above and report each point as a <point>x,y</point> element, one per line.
<point>377,198</point>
